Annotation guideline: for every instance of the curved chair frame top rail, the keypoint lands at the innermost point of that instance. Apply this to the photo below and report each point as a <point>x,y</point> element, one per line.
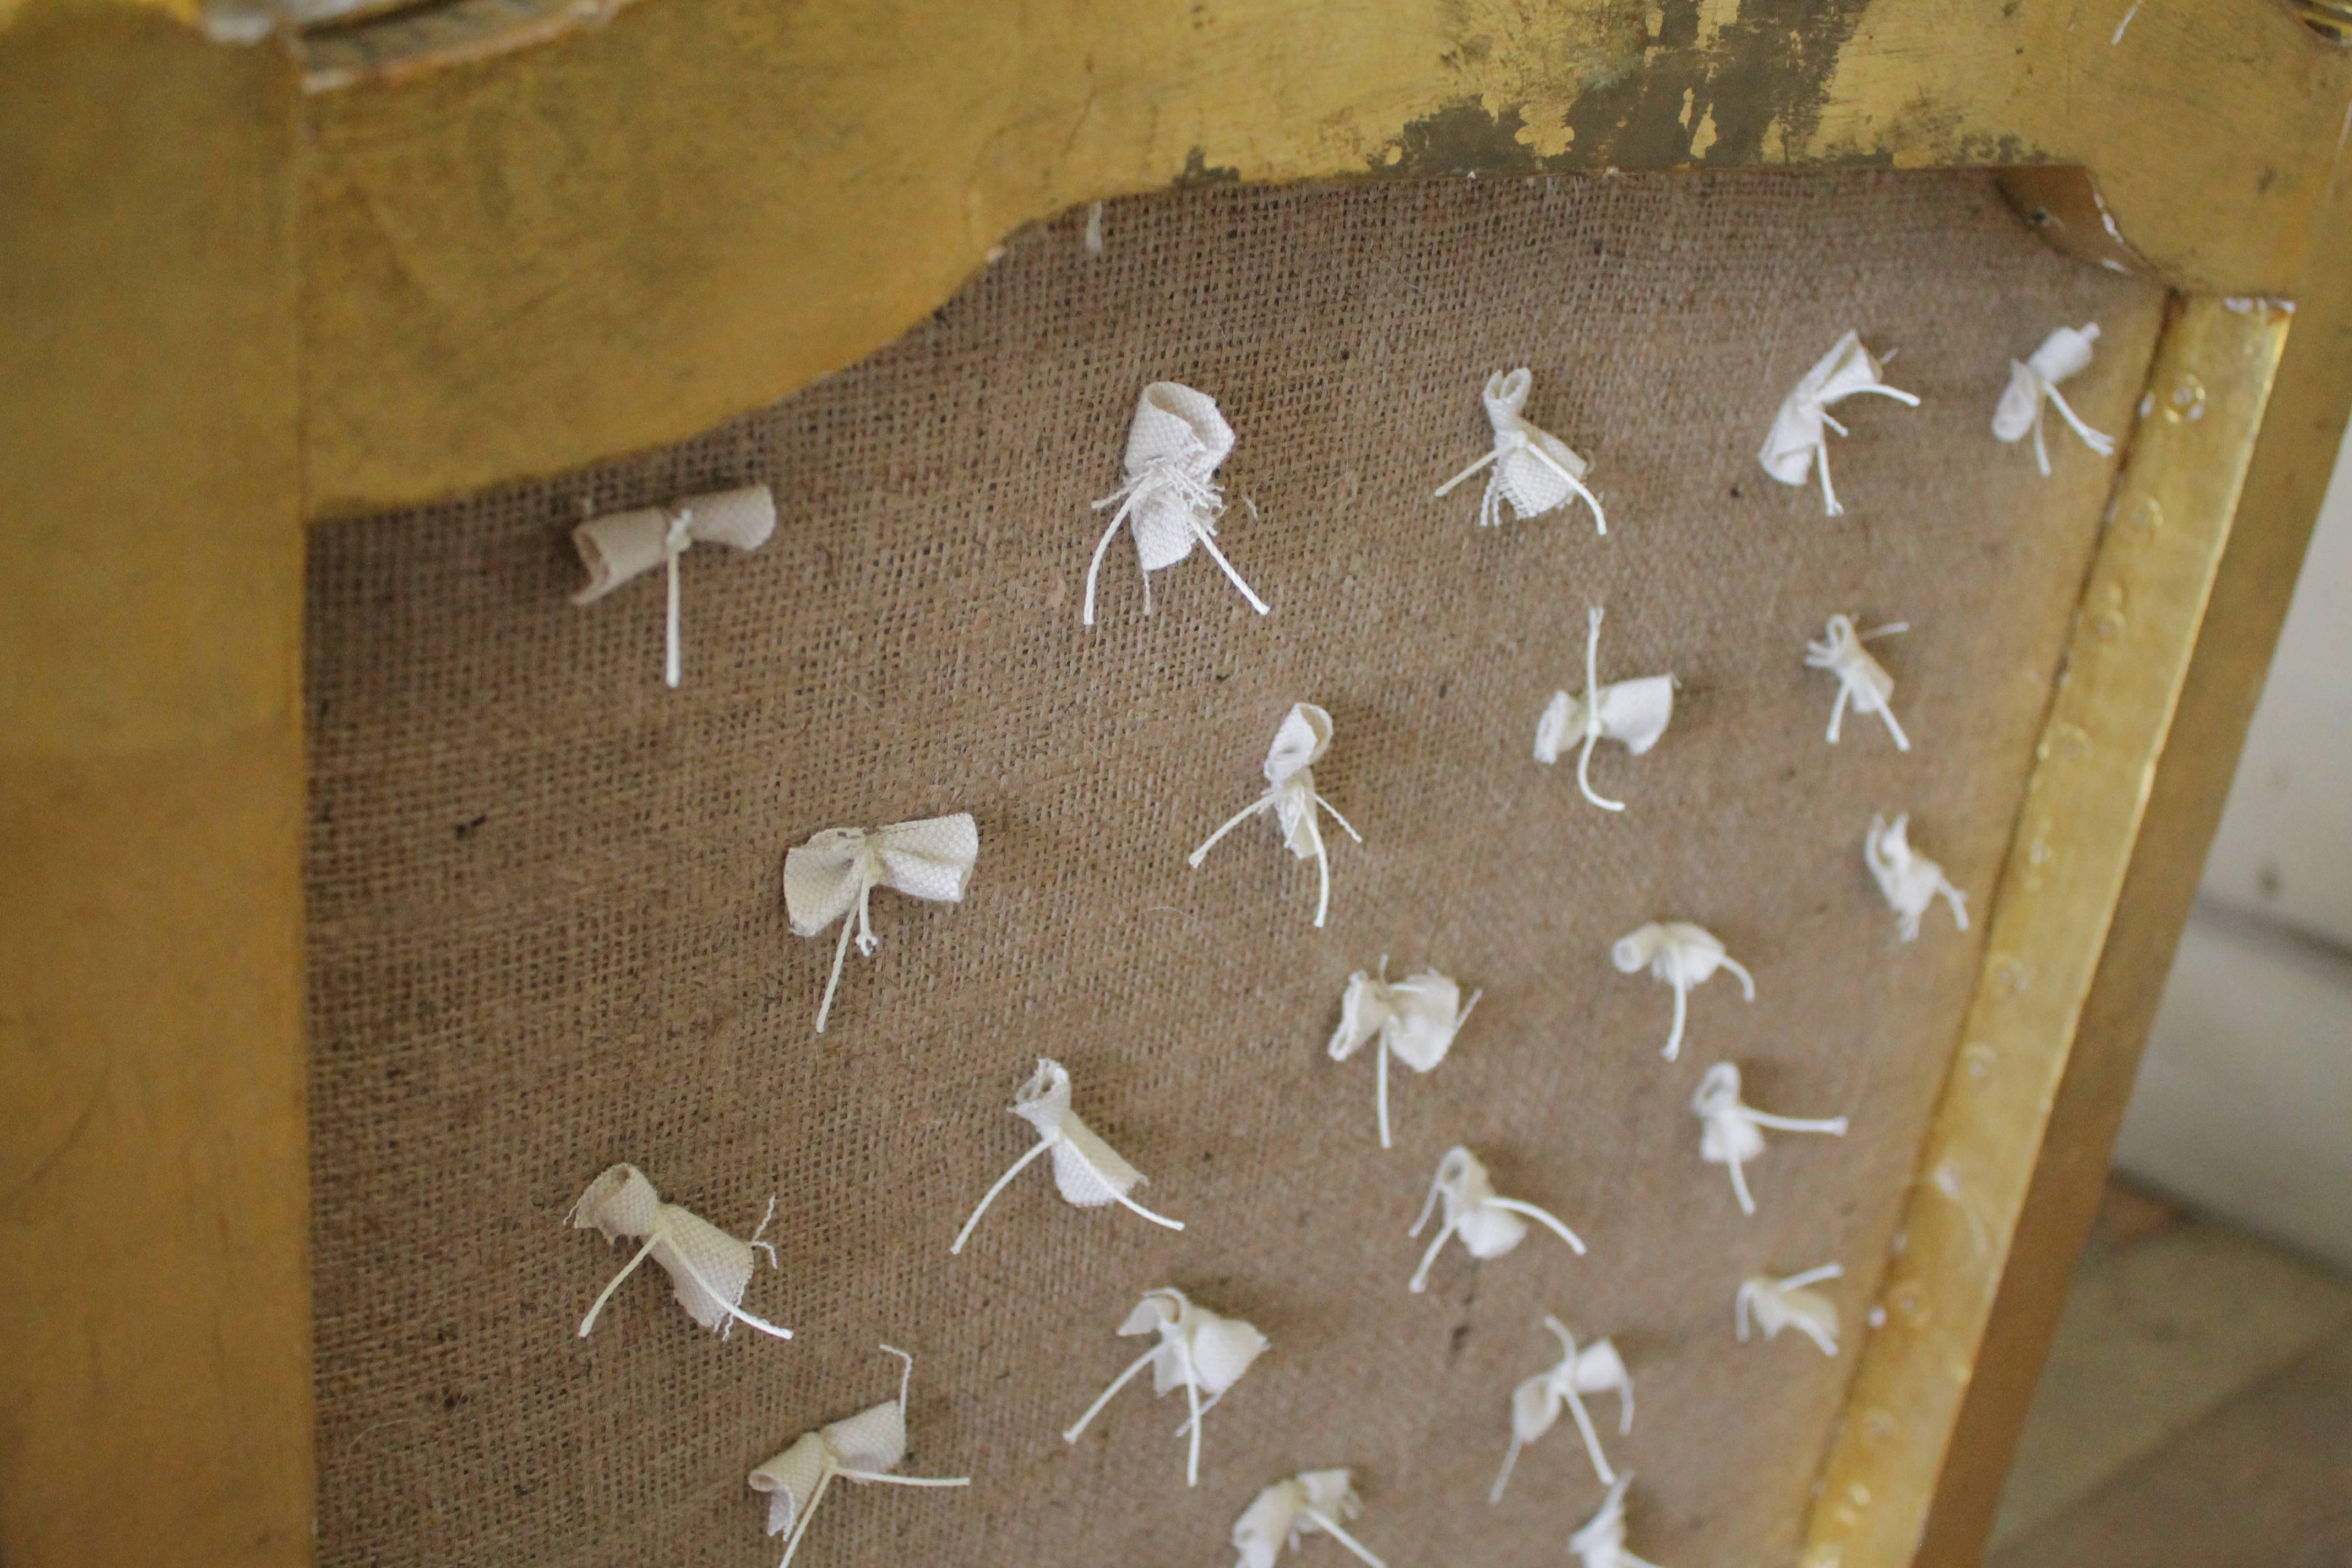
<point>299,277</point>
<point>618,236</point>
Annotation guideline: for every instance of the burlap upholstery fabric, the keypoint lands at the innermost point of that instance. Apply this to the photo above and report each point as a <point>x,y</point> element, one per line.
<point>547,930</point>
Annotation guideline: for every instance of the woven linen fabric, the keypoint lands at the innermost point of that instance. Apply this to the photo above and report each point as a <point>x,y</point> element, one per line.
<point>547,929</point>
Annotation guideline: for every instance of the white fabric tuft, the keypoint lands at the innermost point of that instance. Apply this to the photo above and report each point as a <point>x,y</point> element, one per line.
<point>1600,1543</point>
<point>1683,955</point>
<point>1308,1503</point>
<point>1731,1131</point>
<point>1199,1350</point>
<point>863,1448</point>
<point>708,1268</point>
<point>1862,679</point>
<point>1171,500</point>
<point>625,544</point>
<point>1414,1019</point>
<point>1909,880</point>
<point>1787,1303</point>
<point>1489,1225</point>
<point>2032,390</point>
<point>1799,431</point>
<point>1633,712</point>
<point>836,871</point>
<point>1533,469</point>
<point>1596,1368</point>
<point>1086,1171</point>
<point>1304,736</point>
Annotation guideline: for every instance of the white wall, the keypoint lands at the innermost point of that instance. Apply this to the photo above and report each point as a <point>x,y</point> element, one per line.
<point>2244,1102</point>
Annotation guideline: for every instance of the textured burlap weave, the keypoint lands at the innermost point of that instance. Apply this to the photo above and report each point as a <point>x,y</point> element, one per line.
<point>547,930</point>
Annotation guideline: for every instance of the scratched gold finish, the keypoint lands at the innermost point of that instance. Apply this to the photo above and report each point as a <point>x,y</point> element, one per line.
<point>624,235</point>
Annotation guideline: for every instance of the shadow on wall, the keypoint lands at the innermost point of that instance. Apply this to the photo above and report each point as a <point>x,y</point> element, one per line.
<point>2245,1094</point>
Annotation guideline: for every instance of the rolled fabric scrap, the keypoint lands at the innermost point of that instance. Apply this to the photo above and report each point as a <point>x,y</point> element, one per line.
<point>623,545</point>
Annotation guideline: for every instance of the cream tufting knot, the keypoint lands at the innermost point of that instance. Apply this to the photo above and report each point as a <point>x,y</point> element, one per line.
<point>1632,712</point>
<point>1799,430</point>
<point>1534,470</point>
<point>1088,1171</point>
<point>836,871</point>
<point>1731,1133</point>
<point>1683,955</point>
<point>1198,1351</point>
<point>1298,744</point>
<point>1489,1225</point>
<point>1415,1020</point>
<point>1787,1304</point>
<point>1909,880</point>
<point>627,544</point>
<point>864,1449</point>
<point>1170,500</point>
<point>1862,679</point>
<point>1601,1542</point>
<point>1308,1503</point>
<point>708,1268</point>
<point>1596,1368</point>
<point>2033,388</point>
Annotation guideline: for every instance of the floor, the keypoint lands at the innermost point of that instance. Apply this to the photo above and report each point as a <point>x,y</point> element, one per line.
<point>2197,1409</point>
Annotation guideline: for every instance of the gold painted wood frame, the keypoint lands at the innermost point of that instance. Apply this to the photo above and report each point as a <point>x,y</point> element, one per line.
<point>246,285</point>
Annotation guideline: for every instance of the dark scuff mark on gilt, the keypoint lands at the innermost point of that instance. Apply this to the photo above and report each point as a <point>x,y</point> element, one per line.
<point>1768,67</point>
<point>1199,171</point>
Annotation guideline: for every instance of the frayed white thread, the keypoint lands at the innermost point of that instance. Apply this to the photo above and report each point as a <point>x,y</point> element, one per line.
<point>708,1268</point>
<point>1909,880</point>
<point>1170,499</point>
<point>1600,1543</point>
<point>1199,1350</point>
<point>2033,388</point>
<point>1862,679</point>
<point>1309,1502</point>
<point>627,544</point>
<point>1683,955</point>
<point>1534,470</point>
<point>865,1448</point>
<point>1095,229</point>
<point>1731,1131</point>
<point>1799,431</point>
<point>1633,712</point>
<point>1414,1019</point>
<point>836,871</point>
<point>1088,1171</point>
<point>1596,1368</point>
<point>1305,735</point>
<point>1489,1225</point>
<point>1787,1304</point>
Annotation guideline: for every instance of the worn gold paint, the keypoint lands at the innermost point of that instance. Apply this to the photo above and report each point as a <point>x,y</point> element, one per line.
<point>154,1332</point>
<point>625,236</point>
<point>2075,844</point>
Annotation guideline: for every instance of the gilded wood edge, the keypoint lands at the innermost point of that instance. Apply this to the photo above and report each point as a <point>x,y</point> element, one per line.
<point>2292,461</point>
<point>622,237</point>
<point>157,1400</point>
<point>2136,631</point>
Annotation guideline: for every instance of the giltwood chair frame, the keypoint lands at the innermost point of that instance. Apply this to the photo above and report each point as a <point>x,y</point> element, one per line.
<point>256,284</point>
